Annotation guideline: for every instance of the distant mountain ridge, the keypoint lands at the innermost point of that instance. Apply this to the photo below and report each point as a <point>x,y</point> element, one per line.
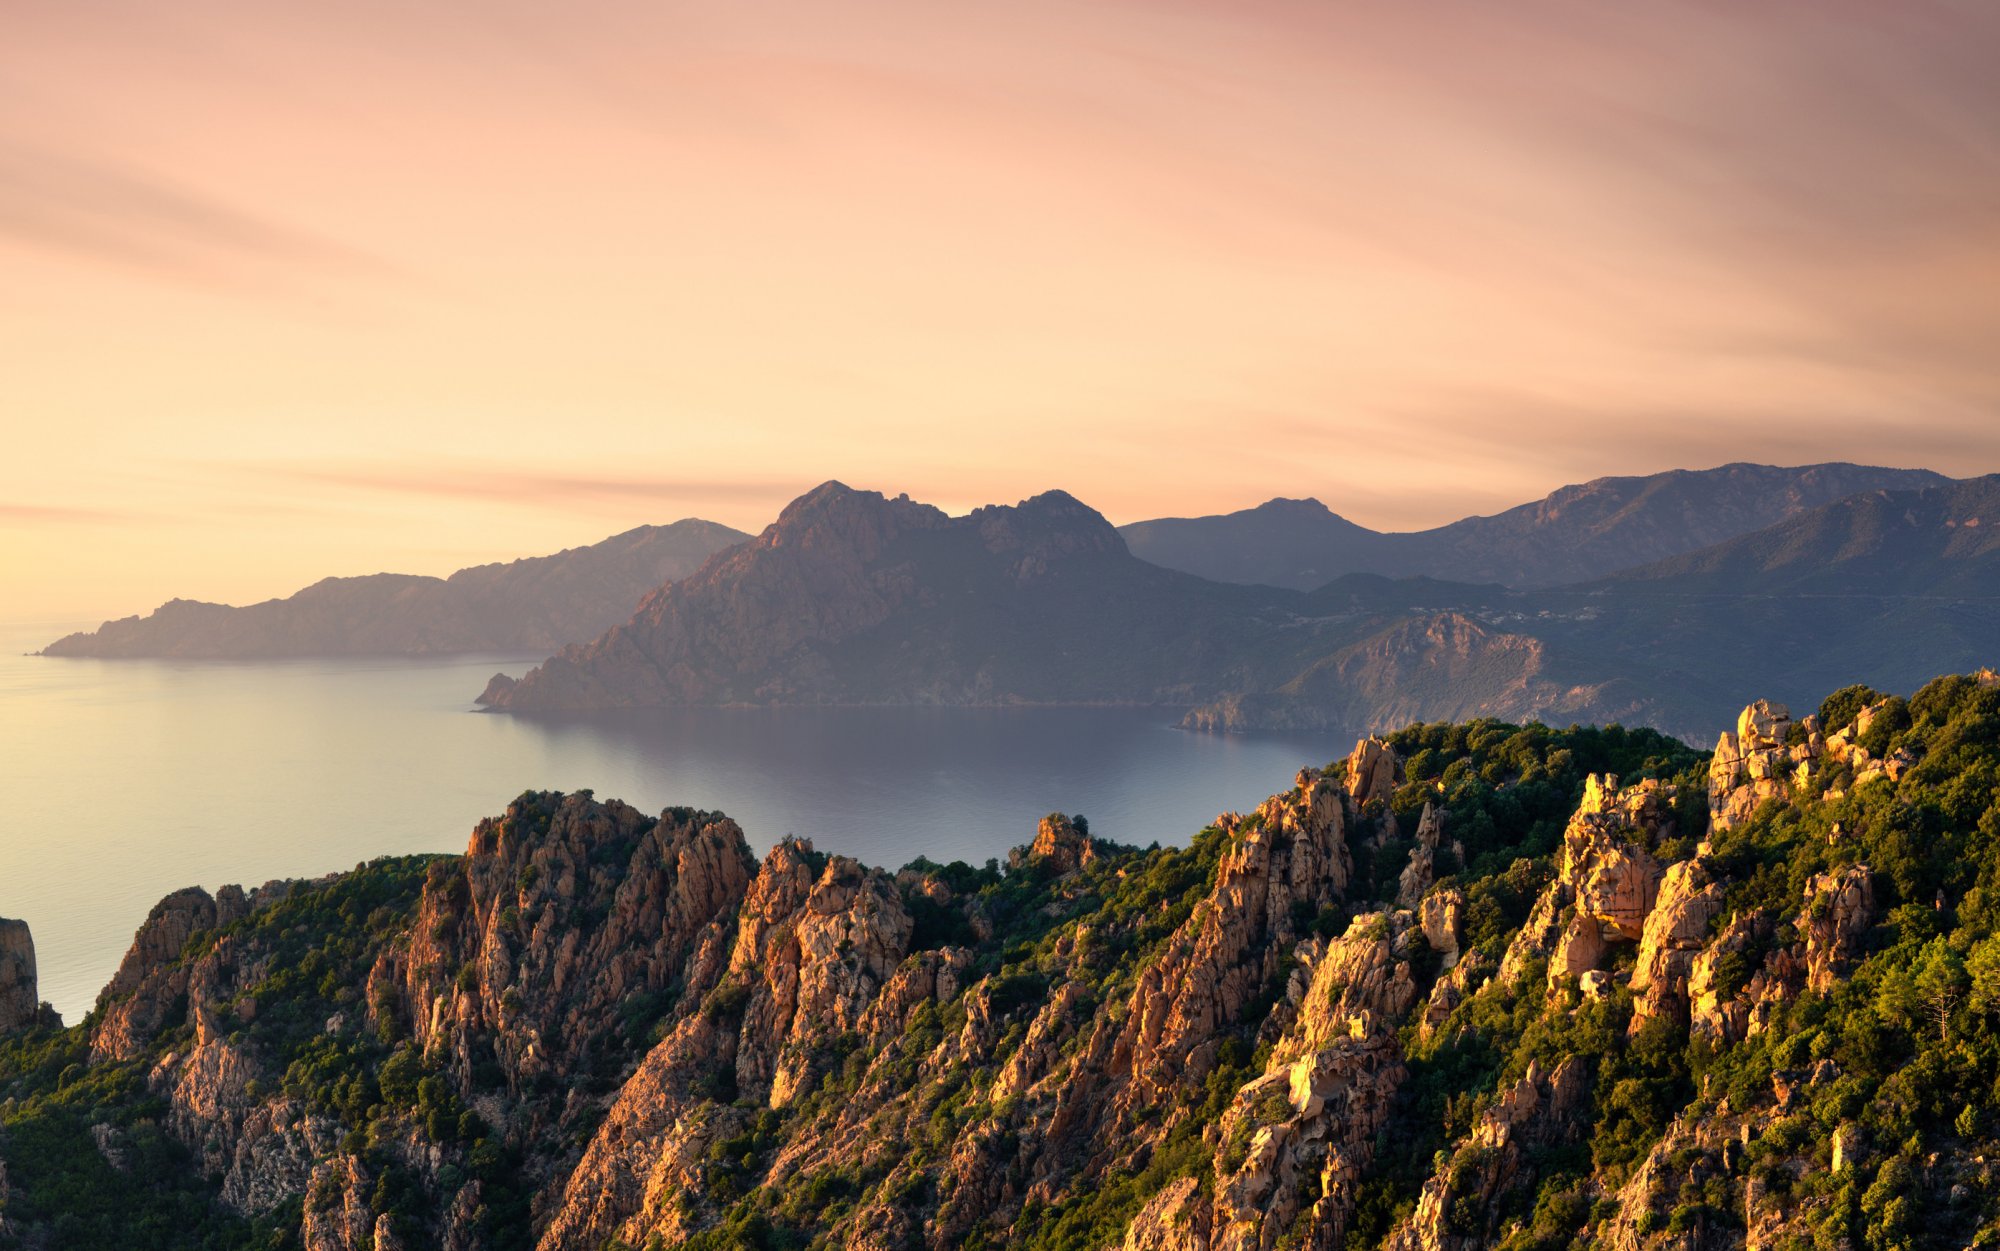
<point>855,598</point>
<point>1579,532</point>
<point>1942,540</point>
<point>535,603</point>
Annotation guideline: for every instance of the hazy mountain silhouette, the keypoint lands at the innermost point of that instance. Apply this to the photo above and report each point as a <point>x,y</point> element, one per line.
<point>852,597</point>
<point>1576,533</point>
<point>539,602</point>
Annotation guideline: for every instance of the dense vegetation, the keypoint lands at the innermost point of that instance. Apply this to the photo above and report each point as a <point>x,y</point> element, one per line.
<point>89,1161</point>
<point>1906,1064</point>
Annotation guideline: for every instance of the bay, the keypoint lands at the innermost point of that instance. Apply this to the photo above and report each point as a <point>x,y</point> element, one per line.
<point>125,780</point>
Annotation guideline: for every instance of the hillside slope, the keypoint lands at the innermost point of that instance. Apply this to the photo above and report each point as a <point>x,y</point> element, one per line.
<point>538,602</point>
<point>855,598</point>
<point>1474,986</point>
<point>852,597</point>
<point>1576,533</point>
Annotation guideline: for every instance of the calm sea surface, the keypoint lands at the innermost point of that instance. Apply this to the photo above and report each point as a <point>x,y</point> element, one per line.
<point>124,780</point>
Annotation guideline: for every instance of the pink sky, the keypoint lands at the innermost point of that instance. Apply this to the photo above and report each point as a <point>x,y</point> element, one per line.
<point>289,290</point>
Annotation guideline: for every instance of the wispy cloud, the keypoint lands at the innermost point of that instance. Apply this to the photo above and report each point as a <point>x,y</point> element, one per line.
<point>539,488</point>
<point>50,514</point>
<point>123,215</point>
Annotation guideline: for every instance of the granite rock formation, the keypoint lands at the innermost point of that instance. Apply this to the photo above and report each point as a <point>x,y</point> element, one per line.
<point>1562,1009</point>
<point>20,1001</point>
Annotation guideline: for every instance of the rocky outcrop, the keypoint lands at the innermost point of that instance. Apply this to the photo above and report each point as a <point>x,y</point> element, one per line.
<point>1840,906</point>
<point>337,1215</point>
<point>563,914</point>
<point>1606,860</point>
<point>1731,994</point>
<point>1421,872</point>
<point>606,1028</point>
<point>150,990</point>
<point>1675,933</point>
<point>1373,774</point>
<point>1298,1139</point>
<point>1360,984</point>
<point>1292,851</point>
<point>1580,949</point>
<point>1751,766</point>
<point>1060,845</point>
<point>1442,915</point>
<point>1540,1110</point>
<point>1306,1133</point>
<point>20,1001</point>
<point>1606,886</point>
<point>817,943</point>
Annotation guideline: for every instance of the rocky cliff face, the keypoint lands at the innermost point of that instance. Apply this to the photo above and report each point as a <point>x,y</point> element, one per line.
<point>20,1001</point>
<point>1470,986</point>
<point>561,916</point>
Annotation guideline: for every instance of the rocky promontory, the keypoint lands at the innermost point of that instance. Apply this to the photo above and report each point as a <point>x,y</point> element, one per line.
<point>535,603</point>
<point>20,1000</point>
<point>1472,985</point>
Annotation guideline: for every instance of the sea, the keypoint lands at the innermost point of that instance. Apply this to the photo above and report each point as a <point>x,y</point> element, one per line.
<point>124,780</point>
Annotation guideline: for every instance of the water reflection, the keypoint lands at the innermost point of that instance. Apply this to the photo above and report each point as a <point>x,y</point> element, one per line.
<point>128,779</point>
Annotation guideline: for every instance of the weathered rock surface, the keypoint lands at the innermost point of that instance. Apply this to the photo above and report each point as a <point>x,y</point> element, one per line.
<point>1060,845</point>
<point>151,987</point>
<point>1840,906</point>
<point>1539,1110</point>
<point>1606,885</point>
<point>1442,915</point>
<point>1676,931</point>
<point>614,1029</point>
<point>1373,774</point>
<point>1607,862</point>
<point>20,1000</point>
<point>1292,851</point>
<point>562,913</point>
<point>1422,871</point>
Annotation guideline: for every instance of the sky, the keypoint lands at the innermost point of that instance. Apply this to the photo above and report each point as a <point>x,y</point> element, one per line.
<point>292,289</point>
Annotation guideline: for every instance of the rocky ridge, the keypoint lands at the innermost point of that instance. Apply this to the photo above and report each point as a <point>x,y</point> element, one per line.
<point>1470,986</point>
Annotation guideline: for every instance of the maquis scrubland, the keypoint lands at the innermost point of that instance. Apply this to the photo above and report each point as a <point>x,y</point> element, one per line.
<point>1476,985</point>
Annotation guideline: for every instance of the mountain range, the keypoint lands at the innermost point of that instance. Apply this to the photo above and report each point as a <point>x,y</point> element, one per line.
<point>1473,986</point>
<point>851,597</point>
<point>1575,534</point>
<point>537,603</point>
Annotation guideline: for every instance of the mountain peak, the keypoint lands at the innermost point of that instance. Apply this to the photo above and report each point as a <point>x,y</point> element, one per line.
<point>1050,525</point>
<point>1283,506</point>
<point>834,514</point>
